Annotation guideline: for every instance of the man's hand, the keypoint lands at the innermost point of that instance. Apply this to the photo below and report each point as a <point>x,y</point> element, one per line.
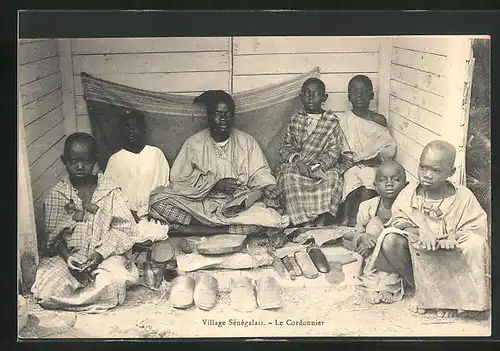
<point>303,168</point>
<point>271,191</point>
<point>427,240</point>
<point>227,185</point>
<point>92,262</point>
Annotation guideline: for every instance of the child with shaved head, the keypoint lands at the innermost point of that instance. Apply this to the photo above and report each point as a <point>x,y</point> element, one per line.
<point>90,233</point>
<point>390,179</point>
<point>437,239</point>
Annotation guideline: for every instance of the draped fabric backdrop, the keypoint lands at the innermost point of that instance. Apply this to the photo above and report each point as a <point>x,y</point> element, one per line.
<point>263,113</point>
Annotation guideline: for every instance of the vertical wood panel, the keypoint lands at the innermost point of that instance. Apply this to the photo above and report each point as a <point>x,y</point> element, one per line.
<point>384,74</point>
<point>68,88</point>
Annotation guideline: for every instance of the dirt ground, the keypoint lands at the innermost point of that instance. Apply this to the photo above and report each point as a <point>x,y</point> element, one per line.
<point>339,309</point>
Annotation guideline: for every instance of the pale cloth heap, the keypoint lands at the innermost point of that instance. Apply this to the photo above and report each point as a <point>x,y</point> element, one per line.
<point>138,175</point>
<point>366,139</point>
<point>201,163</point>
<point>110,231</point>
<point>456,279</point>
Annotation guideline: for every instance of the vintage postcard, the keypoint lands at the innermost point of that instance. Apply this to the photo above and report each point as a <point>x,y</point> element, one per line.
<point>254,186</point>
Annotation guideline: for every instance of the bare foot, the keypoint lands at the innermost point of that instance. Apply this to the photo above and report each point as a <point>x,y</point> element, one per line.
<point>446,313</point>
<point>373,297</point>
<point>386,297</point>
<point>413,307</point>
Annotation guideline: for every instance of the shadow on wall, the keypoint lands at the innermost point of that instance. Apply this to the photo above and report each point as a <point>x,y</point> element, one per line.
<point>478,161</point>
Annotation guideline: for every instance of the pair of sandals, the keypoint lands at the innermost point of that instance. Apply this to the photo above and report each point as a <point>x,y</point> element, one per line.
<point>267,294</point>
<point>201,291</point>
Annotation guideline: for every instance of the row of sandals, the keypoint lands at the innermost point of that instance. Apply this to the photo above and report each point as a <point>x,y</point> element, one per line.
<point>245,294</point>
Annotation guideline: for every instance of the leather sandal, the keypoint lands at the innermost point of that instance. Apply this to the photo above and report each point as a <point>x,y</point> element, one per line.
<point>181,294</point>
<point>206,291</point>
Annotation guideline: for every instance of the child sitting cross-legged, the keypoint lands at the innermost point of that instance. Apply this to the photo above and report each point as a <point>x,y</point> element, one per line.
<point>390,179</point>
<point>90,232</point>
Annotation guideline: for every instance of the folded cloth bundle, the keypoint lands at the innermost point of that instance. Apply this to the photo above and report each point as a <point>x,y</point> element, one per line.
<point>241,202</point>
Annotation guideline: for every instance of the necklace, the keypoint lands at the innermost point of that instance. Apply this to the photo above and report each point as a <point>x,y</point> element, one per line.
<point>430,209</point>
<point>221,151</point>
<point>383,207</point>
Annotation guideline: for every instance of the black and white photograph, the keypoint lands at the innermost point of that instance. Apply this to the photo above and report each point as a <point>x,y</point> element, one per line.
<point>254,187</point>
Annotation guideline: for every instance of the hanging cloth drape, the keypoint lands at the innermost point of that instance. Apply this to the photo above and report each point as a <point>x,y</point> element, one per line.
<point>263,113</point>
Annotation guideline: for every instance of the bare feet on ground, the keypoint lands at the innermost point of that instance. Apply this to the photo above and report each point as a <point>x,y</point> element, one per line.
<point>375,297</point>
<point>413,307</point>
<point>446,313</point>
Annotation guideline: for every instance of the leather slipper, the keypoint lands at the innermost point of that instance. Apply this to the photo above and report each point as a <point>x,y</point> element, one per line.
<point>269,293</point>
<point>306,265</point>
<point>162,252</point>
<point>182,292</point>
<point>242,295</point>
<point>318,258</point>
<point>205,292</point>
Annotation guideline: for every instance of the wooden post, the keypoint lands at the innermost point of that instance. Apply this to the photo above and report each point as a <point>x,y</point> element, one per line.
<point>68,89</point>
<point>384,74</point>
<point>457,99</point>
<point>27,244</point>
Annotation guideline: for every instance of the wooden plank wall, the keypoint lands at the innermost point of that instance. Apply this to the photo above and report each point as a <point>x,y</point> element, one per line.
<point>41,104</point>
<point>258,61</point>
<point>174,65</point>
<point>417,96</point>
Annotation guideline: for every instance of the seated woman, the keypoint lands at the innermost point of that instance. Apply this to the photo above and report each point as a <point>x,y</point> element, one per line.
<point>138,169</point>
<point>367,144</point>
<point>213,165</point>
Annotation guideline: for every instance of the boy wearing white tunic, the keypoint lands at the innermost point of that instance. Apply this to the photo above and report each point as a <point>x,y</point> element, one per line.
<point>138,168</point>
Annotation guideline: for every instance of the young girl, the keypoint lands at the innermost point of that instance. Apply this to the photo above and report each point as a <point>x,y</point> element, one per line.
<point>367,143</point>
<point>309,175</point>
<point>390,179</point>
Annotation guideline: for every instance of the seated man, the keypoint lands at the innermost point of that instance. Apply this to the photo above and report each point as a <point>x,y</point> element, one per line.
<point>138,169</point>
<point>367,143</point>
<point>437,239</point>
<point>90,236</point>
<point>213,165</point>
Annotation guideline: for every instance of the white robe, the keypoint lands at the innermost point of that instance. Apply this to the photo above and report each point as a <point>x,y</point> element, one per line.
<point>137,175</point>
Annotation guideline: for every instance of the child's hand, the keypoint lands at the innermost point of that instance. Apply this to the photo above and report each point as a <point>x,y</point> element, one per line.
<point>447,244</point>
<point>271,191</point>
<point>369,240</point>
<point>78,215</point>
<point>92,262</point>
<point>427,240</point>
<point>74,264</point>
<point>303,168</point>
<point>364,250</point>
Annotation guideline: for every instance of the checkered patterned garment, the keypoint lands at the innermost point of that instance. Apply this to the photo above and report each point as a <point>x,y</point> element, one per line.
<point>172,214</point>
<point>306,198</point>
<point>111,231</point>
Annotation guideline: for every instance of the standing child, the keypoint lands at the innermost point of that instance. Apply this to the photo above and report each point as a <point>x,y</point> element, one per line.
<point>437,239</point>
<point>90,234</point>
<point>373,214</point>
<point>367,143</point>
<point>309,175</point>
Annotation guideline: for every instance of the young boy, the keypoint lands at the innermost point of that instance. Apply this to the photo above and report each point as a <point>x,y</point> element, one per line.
<point>367,143</point>
<point>437,239</point>
<point>309,175</point>
<point>90,233</point>
<point>137,168</point>
<point>390,179</point>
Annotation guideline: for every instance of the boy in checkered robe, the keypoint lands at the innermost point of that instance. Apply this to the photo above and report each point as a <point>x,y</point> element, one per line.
<point>310,175</point>
<point>90,232</point>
